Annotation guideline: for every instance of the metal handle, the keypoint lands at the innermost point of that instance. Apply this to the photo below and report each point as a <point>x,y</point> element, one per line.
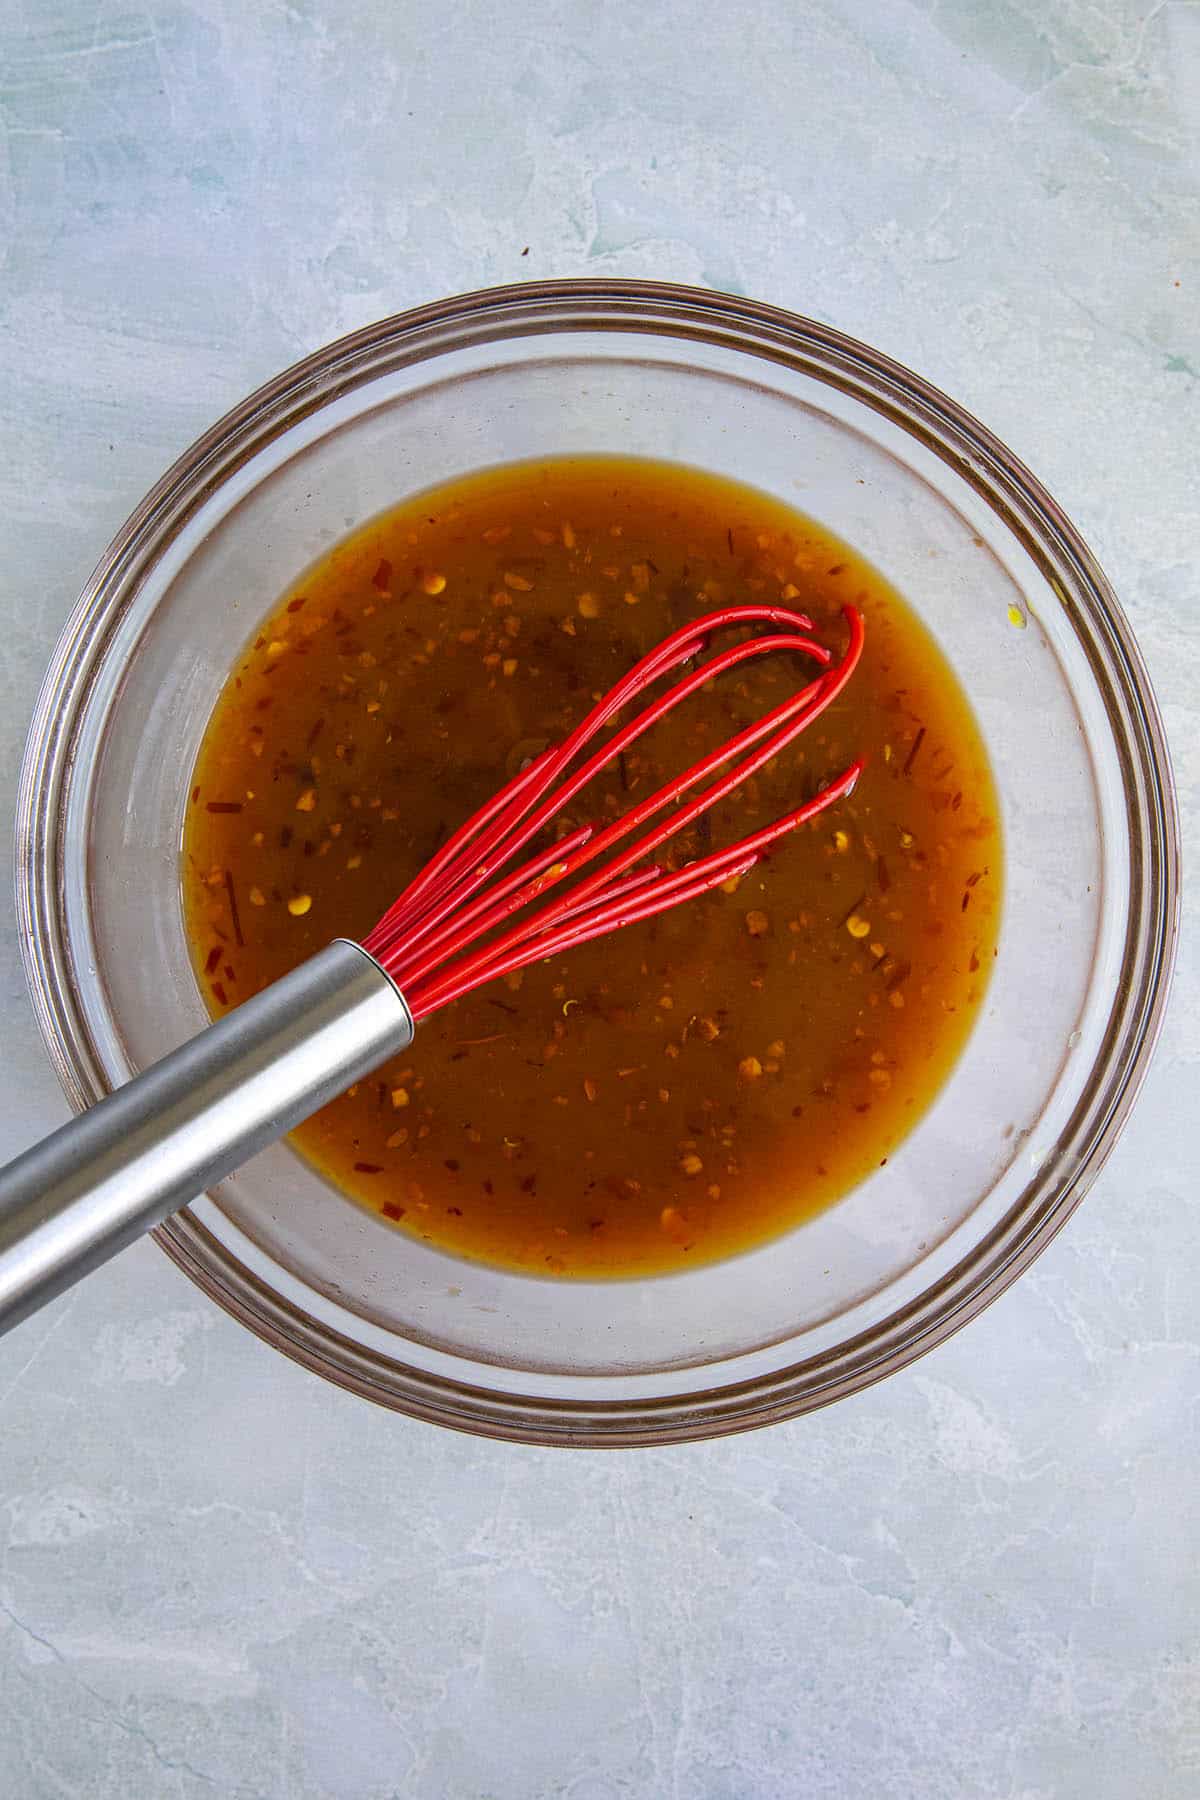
<point>75,1199</point>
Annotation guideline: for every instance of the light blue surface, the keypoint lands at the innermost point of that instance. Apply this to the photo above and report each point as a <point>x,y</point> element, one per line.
<point>220,1576</point>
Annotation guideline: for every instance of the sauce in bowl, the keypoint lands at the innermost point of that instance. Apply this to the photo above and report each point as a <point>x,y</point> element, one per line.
<point>690,1086</point>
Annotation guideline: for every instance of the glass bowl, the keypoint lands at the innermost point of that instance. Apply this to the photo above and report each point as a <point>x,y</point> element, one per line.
<point>1019,606</point>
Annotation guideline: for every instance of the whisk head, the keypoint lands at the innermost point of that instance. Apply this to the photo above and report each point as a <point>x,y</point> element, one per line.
<point>471,916</point>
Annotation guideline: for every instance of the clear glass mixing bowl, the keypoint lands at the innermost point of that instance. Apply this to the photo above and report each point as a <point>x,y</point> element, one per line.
<point>1019,606</point>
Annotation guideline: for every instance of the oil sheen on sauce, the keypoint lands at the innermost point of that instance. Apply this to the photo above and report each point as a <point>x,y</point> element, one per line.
<point>693,1085</point>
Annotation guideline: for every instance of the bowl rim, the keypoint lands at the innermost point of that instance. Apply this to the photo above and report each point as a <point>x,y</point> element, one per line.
<point>674,313</point>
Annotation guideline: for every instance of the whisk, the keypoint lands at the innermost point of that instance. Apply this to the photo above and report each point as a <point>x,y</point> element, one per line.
<point>477,910</point>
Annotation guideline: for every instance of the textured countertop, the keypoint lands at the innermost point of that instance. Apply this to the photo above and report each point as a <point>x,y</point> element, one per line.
<point>220,1576</point>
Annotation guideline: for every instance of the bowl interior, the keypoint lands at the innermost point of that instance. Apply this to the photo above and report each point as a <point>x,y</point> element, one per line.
<point>997,618</point>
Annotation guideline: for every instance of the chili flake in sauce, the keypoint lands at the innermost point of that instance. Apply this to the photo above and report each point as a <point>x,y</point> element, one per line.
<point>693,1085</point>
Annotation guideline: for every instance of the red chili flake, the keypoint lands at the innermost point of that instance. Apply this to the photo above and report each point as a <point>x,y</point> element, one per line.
<point>369,1168</point>
<point>285,838</point>
<point>382,578</point>
<point>390,1210</point>
<point>195,795</point>
<point>298,604</point>
<point>915,751</point>
<point>233,908</point>
<point>230,974</point>
<point>456,1212</point>
<point>966,901</point>
<point>223,806</point>
<point>881,875</point>
<point>213,958</point>
<point>836,569</point>
<point>315,733</point>
<point>219,991</point>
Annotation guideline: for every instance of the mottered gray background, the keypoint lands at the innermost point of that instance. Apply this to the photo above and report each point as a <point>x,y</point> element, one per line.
<point>219,1576</point>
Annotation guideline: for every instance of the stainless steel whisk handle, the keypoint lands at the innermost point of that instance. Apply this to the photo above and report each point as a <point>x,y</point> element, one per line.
<point>83,1193</point>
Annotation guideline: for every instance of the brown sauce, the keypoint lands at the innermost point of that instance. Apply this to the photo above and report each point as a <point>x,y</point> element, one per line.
<point>695,1084</point>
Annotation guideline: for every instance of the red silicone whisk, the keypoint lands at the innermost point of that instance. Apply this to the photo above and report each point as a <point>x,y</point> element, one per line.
<point>477,910</point>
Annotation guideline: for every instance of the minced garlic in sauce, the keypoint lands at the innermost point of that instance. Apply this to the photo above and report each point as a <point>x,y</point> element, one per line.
<point>690,1086</point>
